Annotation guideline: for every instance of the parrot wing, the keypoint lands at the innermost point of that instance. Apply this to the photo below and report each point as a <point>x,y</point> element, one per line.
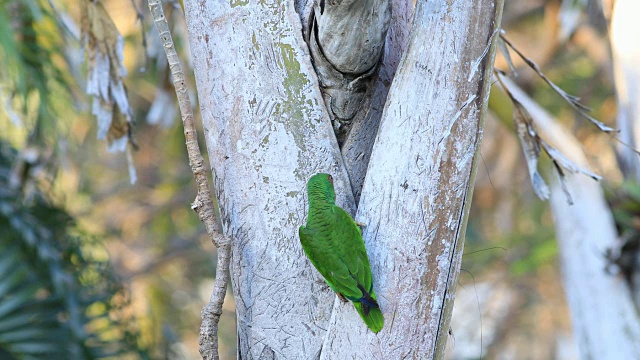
<point>326,255</point>
<point>353,253</point>
<point>337,251</point>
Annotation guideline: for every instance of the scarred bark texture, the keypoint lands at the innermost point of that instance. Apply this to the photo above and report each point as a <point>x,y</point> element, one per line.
<point>267,132</point>
<point>356,149</point>
<point>417,191</point>
<point>358,141</point>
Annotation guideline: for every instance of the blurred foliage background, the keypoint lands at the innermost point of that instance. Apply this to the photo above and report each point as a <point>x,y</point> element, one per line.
<point>137,264</point>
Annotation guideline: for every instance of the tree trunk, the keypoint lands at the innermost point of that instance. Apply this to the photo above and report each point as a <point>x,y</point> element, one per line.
<point>356,150</point>
<point>606,324</point>
<point>267,131</point>
<point>625,49</point>
<point>419,182</point>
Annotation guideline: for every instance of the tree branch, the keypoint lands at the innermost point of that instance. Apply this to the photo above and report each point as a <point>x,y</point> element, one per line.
<point>208,342</point>
<point>203,204</point>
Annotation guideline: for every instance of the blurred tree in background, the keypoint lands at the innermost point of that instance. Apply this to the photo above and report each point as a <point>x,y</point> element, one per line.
<point>82,250</point>
<point>146,231</point>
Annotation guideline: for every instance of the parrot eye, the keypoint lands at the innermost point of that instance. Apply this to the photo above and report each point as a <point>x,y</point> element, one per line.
<point>330,178</point>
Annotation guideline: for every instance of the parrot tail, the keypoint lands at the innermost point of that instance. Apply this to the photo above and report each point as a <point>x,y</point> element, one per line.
<point>372,316</point>
<point>367,299</point>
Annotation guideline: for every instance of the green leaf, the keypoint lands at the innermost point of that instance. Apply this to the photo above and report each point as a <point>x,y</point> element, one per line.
<point>22,335</point>
<point>35,347</point>
<point>25,318</point>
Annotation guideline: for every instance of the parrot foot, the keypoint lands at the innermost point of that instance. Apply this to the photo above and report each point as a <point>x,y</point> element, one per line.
<point>341,297</point>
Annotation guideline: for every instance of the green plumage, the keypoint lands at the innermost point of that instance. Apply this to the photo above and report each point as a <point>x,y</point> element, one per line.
<point>333,243</point>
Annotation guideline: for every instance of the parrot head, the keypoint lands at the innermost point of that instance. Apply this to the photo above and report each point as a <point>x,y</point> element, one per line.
<point>321,186</point>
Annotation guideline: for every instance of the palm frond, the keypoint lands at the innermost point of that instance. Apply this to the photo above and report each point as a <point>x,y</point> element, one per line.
<point>53,291</point>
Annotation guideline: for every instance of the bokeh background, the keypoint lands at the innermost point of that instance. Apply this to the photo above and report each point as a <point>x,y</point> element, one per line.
<point>510,299</point>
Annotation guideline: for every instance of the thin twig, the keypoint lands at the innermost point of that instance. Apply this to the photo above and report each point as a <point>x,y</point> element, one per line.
<point>572,100</point>
<point>140,18</point>
<point>208,341</point>
<point>203,204</point>
<point>533,144</point>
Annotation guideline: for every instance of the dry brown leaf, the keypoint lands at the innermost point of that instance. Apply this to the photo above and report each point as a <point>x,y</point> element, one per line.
<point>104,54</point>
<point>530,146</point>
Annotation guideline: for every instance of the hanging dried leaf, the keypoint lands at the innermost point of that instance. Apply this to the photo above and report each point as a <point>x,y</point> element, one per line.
<point>567,164</point>
<point>507,56</point>
<point>532,143</point>
<point>133,175</point>
<point>104,53</point>
<point>563,182</point>
<point>163,110</point>
<point>531,147</point>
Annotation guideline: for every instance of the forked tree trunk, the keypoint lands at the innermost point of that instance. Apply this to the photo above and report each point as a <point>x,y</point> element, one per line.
<point>267,131</point>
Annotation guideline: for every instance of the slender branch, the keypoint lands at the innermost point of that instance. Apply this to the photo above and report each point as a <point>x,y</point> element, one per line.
<point>203,204</point>
<point>572,100</point>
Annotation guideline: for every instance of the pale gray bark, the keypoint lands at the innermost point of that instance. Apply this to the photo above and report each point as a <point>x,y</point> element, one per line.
<point>348,25</point>
<point>606,324</point>
<point>358,142</point>
<point>267,130</point>
<point>356,150</point>
<point>417,191</point>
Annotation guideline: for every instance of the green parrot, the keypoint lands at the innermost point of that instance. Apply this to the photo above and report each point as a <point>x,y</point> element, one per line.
<point>333,242</point>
